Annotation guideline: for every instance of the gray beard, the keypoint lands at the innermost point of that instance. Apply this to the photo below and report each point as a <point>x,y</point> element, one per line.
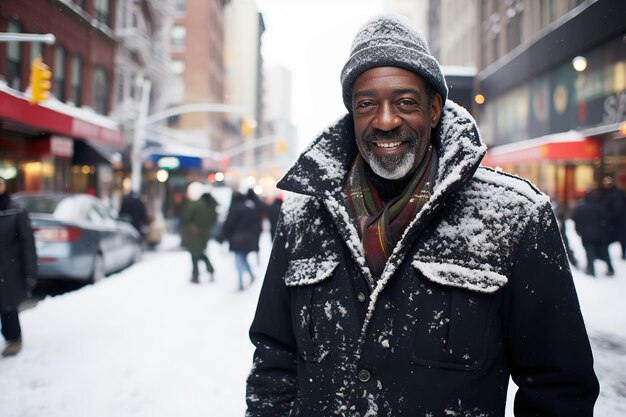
<point>392,167</point>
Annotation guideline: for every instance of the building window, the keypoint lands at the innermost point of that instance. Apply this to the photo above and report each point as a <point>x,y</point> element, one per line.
<point>101,11</point>
<point>545,12</point>
<point>77,78</point>
<point>178,35</point>
<point>495,44</point>
<point>36,50</point>
<point>100,90</point>
<point>177,66</point>
<point>58,73</point>
<point>14,58</point>
<point>514,28</point>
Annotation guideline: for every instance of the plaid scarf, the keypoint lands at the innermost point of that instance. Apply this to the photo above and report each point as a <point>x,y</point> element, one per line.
<point>381,225</point>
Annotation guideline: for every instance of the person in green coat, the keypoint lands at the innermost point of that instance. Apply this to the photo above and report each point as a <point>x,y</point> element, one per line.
<point>198,217</point>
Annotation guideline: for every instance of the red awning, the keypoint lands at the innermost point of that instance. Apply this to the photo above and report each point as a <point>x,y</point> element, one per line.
<point>53,121</point>
<point>569,146</point>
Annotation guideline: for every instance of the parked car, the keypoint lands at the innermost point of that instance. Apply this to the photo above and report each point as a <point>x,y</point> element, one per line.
<point>77,237</point>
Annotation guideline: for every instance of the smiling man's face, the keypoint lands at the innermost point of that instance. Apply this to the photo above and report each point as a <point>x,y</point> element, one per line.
<point>393,118</point>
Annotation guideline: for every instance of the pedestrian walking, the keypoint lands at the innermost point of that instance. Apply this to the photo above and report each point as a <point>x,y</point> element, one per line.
<point>405,280</point>
<point>594,228</point>
<point>241,230</point>
<point>18,267</point>
<point>135,209</point>
<point>615,204</point>
<point>198,217</point>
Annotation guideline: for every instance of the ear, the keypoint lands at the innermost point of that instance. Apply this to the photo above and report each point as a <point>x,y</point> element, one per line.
<point>435,110</point>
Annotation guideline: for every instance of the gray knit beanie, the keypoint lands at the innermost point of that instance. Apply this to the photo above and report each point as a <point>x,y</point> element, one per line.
<point>390,40</point>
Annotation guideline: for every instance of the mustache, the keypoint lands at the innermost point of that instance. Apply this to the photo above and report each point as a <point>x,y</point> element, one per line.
<point>391,135</point>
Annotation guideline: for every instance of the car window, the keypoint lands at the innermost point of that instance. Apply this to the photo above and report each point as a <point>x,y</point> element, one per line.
<point>68,209</point>
<point>39,204</point>
<point>103,213</point>
<point>95,216</point>
<point>61,207</point>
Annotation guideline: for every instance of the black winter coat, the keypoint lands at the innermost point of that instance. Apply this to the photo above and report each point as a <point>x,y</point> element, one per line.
<point>592,221</point>
<point>477,289</point>
<point>615,205</point>
<point>243,226</point>
<point>18,256</point>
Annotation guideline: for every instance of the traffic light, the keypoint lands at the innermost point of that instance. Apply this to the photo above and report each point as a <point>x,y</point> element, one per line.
<point>247,127</point>
<point>39,81</point>
<point>281,146</point>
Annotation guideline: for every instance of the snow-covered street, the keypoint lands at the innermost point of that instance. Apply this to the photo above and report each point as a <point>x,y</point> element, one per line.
<point>147,342</point>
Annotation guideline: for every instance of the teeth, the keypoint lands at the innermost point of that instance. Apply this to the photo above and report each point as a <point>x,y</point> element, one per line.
<point>388,144</point>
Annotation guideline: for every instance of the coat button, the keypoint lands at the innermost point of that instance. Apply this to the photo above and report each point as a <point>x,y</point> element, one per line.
<point>361,297</point>
<point>364,375</point>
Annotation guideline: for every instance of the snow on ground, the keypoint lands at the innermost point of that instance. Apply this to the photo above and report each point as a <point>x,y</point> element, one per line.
<point>147,342</point>
<point>144,342</point>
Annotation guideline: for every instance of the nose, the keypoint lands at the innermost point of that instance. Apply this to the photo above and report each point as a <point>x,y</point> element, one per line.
<point>386,117</point>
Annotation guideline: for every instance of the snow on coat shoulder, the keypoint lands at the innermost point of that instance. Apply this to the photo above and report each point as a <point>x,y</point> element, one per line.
<point>473,246</point>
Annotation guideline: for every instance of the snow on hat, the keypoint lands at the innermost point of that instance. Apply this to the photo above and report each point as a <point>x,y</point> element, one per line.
<point>390,40</point>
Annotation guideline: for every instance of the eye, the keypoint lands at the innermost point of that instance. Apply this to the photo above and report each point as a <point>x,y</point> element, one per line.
<point>406,104</point>
<point>364,106</point>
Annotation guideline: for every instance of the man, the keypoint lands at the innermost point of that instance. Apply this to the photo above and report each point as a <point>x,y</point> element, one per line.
<point>18,267</point>
<point>135,209</point>
<point>613,200</point>
<point>593,226</point>
<point>405,280</point>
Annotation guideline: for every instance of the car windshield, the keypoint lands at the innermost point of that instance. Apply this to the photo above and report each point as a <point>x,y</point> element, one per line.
<point>61,207</point>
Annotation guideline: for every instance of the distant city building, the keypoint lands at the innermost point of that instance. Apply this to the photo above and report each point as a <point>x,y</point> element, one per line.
<point>414,10</point>
<point>278,124</point>
<point>196,45</point>
<point>450,29</point>
<point>142,31</point>
<point>68,142</point>
<point>553,75</point>
<point>243,63</point>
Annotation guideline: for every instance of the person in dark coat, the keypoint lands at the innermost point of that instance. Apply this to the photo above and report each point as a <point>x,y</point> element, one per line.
<point>615,204</point>
<point>594,228</point>
<point>241,230</point>
<point>135,209</point>
<point>18,267</point>
<point>405,280</point>
<point>198,217</point>
<point>273,212</point>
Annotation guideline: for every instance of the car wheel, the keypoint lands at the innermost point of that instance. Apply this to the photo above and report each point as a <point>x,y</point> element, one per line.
<point>98,269</point>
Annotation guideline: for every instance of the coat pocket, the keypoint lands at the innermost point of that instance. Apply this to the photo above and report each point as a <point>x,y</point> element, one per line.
<point>465,321</point>
<point>461,277</point>
<point>308,271</point>
<point>302,276</point>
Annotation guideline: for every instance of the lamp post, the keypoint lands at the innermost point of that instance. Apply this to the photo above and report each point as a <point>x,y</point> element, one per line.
<point>47,38</point>
<point>139,136</point>
<point>143,120</point>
